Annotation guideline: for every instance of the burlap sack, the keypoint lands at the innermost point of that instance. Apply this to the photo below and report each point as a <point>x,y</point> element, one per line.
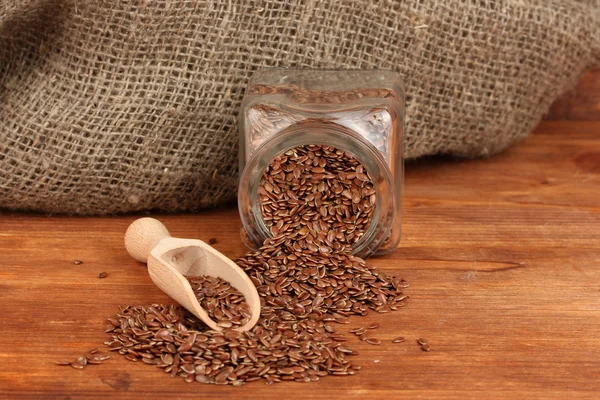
<point>111,106</point>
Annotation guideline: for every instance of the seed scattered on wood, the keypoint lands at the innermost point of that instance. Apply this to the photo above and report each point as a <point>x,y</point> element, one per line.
<point>102,275</point>
<point>374,325</point>
<point>317,202</point>
<point>425,347</point>
<point>93,357</point>
<point>421,341</point>
<point>399,339</point>
<point>359,331</point>
<point>77,262</point>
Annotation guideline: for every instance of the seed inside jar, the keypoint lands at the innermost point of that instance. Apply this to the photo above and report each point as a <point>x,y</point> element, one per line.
<point>320,196</point>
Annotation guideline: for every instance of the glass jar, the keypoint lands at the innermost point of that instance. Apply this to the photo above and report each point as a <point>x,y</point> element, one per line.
<point>358,111</point>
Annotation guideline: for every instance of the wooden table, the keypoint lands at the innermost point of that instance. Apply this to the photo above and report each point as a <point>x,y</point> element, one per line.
<point>502,256</point>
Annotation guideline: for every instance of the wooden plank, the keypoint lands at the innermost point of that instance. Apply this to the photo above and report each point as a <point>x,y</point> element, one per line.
<point>582,103</point>
<point>502,255</point>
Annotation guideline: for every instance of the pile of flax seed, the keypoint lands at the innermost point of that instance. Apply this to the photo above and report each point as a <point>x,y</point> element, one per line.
<point>317,202</point>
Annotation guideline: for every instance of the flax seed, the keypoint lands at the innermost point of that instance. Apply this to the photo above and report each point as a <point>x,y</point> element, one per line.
<point>317,202</point>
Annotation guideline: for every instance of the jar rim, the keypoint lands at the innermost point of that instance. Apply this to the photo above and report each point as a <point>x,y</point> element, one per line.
<point>328,133</point>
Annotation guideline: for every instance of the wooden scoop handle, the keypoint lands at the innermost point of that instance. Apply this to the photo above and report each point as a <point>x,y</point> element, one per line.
<point>142,236</point>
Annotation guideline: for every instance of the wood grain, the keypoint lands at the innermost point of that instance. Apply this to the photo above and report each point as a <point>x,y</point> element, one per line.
<point>502,255</point>
<point>582,103</point>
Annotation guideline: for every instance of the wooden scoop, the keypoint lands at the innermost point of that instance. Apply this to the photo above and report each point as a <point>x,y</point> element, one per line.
<point>169,259</point>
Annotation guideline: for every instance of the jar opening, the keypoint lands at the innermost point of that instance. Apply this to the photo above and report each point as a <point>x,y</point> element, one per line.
<point>319,133</point>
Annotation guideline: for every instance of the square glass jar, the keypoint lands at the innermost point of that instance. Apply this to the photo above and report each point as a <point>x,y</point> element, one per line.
<point>358,111</point>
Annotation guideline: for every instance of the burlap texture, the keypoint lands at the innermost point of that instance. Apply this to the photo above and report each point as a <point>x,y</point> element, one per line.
<point>119,106</point>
